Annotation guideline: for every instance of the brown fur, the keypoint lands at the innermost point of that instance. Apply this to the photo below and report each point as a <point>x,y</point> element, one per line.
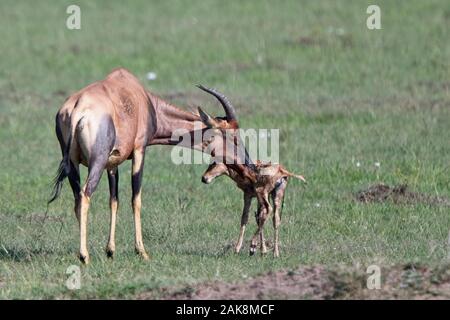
<point>108,122</point>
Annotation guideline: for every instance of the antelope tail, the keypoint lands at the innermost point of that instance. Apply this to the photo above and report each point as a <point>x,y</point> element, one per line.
<point>64,166</point>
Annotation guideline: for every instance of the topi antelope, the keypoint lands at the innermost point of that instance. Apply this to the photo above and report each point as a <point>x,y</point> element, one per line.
<point>271,180</point>
<point>113,120</point>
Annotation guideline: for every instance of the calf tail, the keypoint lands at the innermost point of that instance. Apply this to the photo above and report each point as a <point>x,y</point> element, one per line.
<point>299,177</point>
<point>289,174</point>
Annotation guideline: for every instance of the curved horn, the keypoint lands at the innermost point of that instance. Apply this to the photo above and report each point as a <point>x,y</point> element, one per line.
<point>229,109</point>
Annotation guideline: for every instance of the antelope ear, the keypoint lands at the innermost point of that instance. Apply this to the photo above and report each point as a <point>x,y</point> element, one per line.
<point>209,121</point>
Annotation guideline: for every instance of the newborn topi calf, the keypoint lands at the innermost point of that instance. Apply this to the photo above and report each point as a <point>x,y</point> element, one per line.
<point>270,180</point>
<point>258,180</point>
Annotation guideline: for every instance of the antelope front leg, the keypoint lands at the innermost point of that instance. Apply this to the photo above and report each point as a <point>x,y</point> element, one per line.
<point>136,182</point>
<point>113,180</point>
<point>244,221</point>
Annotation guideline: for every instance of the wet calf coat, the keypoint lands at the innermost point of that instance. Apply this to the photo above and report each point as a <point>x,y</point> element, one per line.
<point>270,183</point>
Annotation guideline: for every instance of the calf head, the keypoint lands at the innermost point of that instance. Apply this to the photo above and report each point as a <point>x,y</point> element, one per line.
<point>214,170</point>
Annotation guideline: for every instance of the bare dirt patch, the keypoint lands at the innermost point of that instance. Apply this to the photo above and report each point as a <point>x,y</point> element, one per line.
<point>399,195</point>
<point>319,282</point>
<point>301,283</point>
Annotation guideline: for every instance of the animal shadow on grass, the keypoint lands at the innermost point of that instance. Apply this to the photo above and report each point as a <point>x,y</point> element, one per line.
<point>208,252</point>
<point>23,255</point>
<point>225,250</point>
<point>33,243</point>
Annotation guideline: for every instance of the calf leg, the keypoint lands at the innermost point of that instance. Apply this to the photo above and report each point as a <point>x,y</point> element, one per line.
<point>244,221</point>
<point>262,241</point>
<point>253,243</point>
<point>136,182</point>
<point>113,180</point>
<point>264,210</point>
<point>277,198</point>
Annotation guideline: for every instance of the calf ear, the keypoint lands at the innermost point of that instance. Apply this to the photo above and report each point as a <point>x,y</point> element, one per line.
<point>209,121</point>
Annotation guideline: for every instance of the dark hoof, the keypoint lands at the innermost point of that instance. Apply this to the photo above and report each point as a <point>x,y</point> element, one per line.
<point>110,254</point>
<point>84,259</point>
<point>252,251</point>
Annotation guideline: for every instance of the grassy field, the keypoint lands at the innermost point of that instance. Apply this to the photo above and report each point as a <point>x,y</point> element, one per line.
<point>339,93</point>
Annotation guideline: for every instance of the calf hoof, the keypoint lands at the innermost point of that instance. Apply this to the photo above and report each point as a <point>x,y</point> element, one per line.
<point>143,255</point>
<point>252,251</point>
<point>84,258</point>
<point>276,250</point>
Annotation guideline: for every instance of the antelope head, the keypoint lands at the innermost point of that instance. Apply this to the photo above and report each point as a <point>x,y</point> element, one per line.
<point>222,138</point>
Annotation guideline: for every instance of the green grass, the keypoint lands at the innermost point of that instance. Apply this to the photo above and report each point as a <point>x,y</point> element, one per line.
<point>361,96</point>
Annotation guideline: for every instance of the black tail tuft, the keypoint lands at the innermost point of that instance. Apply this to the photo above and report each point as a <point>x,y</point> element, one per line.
<point>62,173</point>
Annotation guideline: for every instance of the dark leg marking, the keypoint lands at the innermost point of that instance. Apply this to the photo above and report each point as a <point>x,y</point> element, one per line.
<point>113,181</point>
